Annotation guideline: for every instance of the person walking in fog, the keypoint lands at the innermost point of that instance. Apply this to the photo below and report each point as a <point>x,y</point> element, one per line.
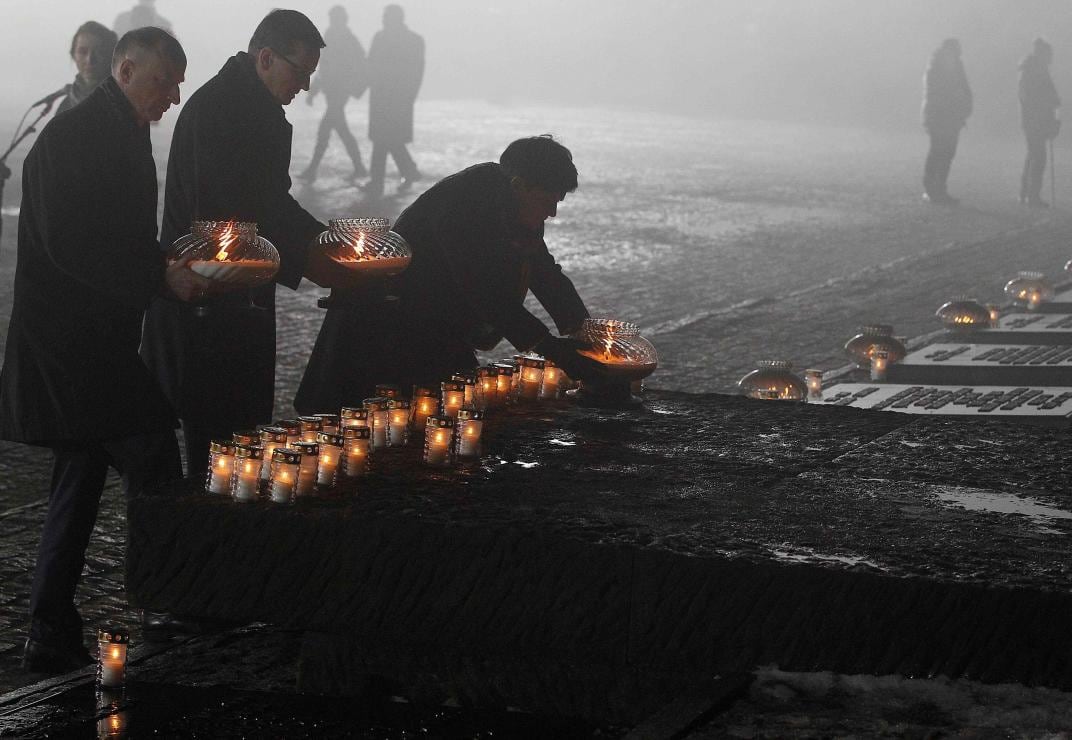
<point>396,66</point>
<point>1038,117</point>
<point>142,14</point>
<point>343,74</point>
<point>91,51</point>
<point>947,103</point>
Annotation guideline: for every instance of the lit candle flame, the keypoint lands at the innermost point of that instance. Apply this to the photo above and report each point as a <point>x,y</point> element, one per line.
<point>359,246</point>
<point>227,238</point>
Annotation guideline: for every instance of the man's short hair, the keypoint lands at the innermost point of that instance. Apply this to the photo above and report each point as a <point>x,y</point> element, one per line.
<point>149,38</point>
<point>284,30</point>
<point>92,28</point>
<point>541,161</point>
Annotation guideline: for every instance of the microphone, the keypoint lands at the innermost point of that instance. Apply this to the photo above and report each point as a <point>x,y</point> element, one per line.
<point>52,97</point>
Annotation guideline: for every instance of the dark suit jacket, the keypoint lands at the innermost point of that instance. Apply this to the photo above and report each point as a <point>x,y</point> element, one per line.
<point>88,265</point>
<point>396,68</point>
<point>465,288</point>
<point>230,160</point>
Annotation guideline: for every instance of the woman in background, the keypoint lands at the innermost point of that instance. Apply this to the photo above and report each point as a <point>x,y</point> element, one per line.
<point>91,50</point>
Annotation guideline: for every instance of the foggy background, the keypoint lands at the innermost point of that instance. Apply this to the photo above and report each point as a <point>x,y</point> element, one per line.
<point>853,62</point>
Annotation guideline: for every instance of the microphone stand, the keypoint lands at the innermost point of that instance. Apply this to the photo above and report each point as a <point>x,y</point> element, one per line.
<point>20,134</point>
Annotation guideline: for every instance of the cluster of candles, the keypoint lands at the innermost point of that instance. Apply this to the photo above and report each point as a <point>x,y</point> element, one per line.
<point>297,457</point>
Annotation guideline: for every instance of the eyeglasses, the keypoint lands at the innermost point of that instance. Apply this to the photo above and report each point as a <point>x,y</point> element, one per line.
<point>301,70</point>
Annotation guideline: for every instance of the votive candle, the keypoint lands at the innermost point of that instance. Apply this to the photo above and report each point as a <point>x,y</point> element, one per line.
<point>272,438</point>
<point>294,430</point>
<point>351,416</point>
<point>467,432</point>
<point>388,391</point>
<point>310,427</point>
<point>220,466</point>
<point>814,381</point>
<point>469,381</point>
<point>112,656</point>
<point>328,423</point>
<point>310,459</point>
<point>283,481</point>
<point>377,421</point>
<point>356,451</point>
<point>880,360</point>
<point>453,396</point>
<point>551,377</point>
<point>504,383</point>
<point>247,438</point>
<point>246,477</point>
<point>531,378</point>
<point>425,403</point>
<point>438,436</point>
<point>330,452</point>
<point>485,387</point>
<point>398,413</point>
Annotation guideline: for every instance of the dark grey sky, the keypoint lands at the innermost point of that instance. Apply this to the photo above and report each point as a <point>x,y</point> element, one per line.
<point>853,61</point>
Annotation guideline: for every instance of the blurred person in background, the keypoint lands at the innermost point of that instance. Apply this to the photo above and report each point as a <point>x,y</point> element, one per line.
<point>343,74</point>
<point>1038,117</point>
<point>142,14</point>
<point>947,103</point>
<point>91,50</point>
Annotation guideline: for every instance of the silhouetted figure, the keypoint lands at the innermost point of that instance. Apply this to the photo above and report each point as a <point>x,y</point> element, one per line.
<point>478,249</point>
<point>342,74</point>
<point>91,50</point>
<point>1038,117</point>
<point>141,15</point>
<point>947,103</point>
<point>396,66</point>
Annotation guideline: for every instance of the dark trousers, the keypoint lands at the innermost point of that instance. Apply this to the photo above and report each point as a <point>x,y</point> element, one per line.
<point>335,120</point>
<point>78,475</point>
<point>1034,167</point>
<point>939,160</point>
<point>378,165</point>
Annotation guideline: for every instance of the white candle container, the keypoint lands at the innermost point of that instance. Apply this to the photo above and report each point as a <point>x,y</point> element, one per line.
<point>330,453</point>
<point>272,438</point>
<point>388,391</point>
<point>485,388</point>
<point>398,413</point>
<point>247,438</point>
<point>220,466</point>
<point>307,471</point>
<point>425,403</point>
<point>283,481</point>
<point>504,383</point>
<point>453,396</point>
<point>310,427</point>
<point>469,381</point>
<point>438,439</point>
<point>552,376</point>
<point>530,378</point>
<point>329,423</point>
<point>995,314</point>
<point>351,416</point>
<point>377,421</point>
<point>293,427</point>
<point>355,451</point>
<point>814,380</point>
<point>467,432</point>
<point>112,656</point>
<point>246,478</point>
<point>880,362</point>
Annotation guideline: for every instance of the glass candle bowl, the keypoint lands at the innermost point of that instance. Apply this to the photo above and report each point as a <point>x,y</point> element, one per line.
<point>618,346</point>
<point>874,337</point>
<point>1029,289</point>
<point>963,314</point>
<point>773,380</point>
<point>365,245</point>
<point>228,252</point>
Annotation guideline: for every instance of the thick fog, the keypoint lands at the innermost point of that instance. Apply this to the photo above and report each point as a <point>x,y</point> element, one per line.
<point>845,61</point>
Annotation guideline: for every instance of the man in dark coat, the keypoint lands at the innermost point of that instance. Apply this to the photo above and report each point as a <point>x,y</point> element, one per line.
<point>478,249</point>
<point>88,265</point>
<point>343,75</point>
<point>947,103</point>
<point>1038,116</point>
<point>229,161</point>
<point>396,65</point>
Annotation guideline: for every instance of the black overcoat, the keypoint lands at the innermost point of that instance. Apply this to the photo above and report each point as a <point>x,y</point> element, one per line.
<point>396,69</point>
<point>88,265</point>
<point>229,160</point>
<point>465,288</point>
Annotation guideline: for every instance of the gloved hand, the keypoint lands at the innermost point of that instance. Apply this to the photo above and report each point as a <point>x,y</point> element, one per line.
<point>563,351</point>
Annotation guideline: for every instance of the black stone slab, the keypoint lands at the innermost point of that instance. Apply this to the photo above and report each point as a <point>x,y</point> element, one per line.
<point>595,563</point>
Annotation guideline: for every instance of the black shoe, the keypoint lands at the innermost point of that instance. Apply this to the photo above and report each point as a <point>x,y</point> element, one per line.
<point>37,657</point>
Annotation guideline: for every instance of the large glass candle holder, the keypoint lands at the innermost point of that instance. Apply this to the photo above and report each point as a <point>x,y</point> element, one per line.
<point>467,379</point>
<point>328,423</point>
<point>310,427</point>
<point>246,478</point>
<point>310,463</point>
<point>221,458</point>
<point>467,432</point>
<point>1029,289</point>
<point>294,430</point>
<point>388,391</point>
<point>963,314</point>
<point>504,383</point>
<point>438,440</point>
<point>283,480</point>
<point>398,415</point>
<point>453,396</point>
<point>351,416</point>
<point>425,403</point>
<point>485,388</point>
<point>365,245</point>
<point>330,454</point>
<point>249,437</point>
<point>112,643</point>
<point>552,377</point>
<point>618,346</point>
<point>355,451</point>
<point>871,338</point>
<point>272,438</point>
<point>378,421</point>
<point>531,378</point>
<point>773,380</point>
<point>228,252</point>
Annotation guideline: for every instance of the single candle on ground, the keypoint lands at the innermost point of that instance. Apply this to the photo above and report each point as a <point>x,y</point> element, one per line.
<point>328,423</point>
<point>425,403</point>
<point>351,416</point>
<point>453,396</point>
<point>272,438</point>
<point>310,427</point>
<point>283,481</point>
<point>551,377</point>
<point>220,465</point>
<point>310,460</point>
<point>531,378</point>
<point>398,413</point>
<point>246,478</point>
<point>330,452</point>
<point>467,432</point>
<point>355,451</point>
<point>377,421</point>
<point>112,656</point>
<point>438,437</point>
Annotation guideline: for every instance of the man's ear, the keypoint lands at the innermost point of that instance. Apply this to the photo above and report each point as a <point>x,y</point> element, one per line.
<point>264,58</point>
<point>518,184</point>
<point>125,72</point>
